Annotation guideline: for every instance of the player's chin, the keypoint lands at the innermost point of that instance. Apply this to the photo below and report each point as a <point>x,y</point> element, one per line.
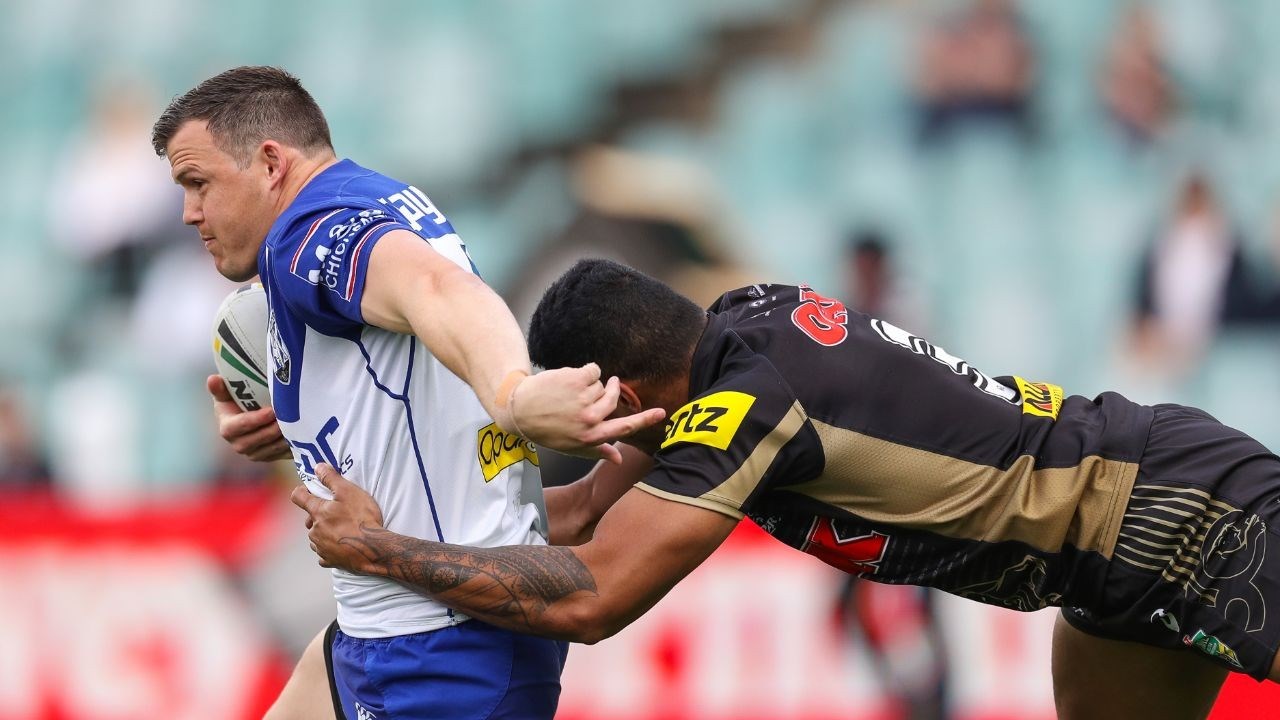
<point>236,272</point>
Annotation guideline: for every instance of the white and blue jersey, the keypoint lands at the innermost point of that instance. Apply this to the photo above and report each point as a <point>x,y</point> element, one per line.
<point>376,404</point>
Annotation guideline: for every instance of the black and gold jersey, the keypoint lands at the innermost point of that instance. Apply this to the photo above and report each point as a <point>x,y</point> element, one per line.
<point>885,456</point>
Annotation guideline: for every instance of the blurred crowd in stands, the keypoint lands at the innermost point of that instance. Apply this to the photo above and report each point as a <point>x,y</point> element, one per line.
<point>1080,192</point>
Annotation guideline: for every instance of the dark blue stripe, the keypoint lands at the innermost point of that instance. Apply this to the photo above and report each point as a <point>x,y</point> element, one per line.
<point>413,433</point>
<point>368,366</point>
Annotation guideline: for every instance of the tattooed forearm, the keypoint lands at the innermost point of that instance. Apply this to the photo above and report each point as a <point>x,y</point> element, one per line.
<point>510,586</point>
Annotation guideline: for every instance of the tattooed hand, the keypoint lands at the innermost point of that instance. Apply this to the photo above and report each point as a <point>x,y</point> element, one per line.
<point>336,526</point>
<point>512,587</point>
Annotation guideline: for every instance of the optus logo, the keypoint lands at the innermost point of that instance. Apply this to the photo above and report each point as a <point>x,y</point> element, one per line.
<point>498,450</point>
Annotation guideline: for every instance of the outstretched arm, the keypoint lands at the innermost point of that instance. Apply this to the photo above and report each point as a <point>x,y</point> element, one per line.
<point>574,510</point>
<point>642,547</point>
<point>413,289</point>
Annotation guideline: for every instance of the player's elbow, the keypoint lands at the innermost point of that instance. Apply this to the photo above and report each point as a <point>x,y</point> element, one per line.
<point>592,623</point>
<point>592,634</point>
<point>571,530</point>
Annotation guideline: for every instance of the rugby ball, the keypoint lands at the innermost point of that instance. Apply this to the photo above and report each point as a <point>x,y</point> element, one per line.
<point>240,349</point>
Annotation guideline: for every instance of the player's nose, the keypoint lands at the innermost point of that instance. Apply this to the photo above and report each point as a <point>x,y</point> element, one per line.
<point>192,213</point>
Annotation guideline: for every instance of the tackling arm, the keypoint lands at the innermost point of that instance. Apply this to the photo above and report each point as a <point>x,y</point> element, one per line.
<point>642,547</point>
<point>574,510</point>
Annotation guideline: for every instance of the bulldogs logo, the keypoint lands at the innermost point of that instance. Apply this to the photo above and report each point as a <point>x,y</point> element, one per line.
<point>279,351</point>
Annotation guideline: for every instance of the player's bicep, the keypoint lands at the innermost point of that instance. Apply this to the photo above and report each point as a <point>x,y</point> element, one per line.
<point>401,283</point>
<point>642,547</point>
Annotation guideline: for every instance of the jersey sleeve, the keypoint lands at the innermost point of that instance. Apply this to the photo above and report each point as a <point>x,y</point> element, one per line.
<point>321,266</point>
<point>731,444</point>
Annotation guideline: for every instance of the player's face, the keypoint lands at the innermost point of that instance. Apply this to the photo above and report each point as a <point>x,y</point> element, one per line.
<point>649,439</point>
<point>228,205</point>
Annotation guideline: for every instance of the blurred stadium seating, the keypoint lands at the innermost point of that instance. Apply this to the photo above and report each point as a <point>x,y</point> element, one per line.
<point>802,116</point>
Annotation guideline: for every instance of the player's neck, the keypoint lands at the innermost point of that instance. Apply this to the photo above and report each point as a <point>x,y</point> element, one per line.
<point>304,171</point>
<point>670,395</point>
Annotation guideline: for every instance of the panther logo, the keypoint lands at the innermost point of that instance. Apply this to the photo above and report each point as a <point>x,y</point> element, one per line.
<point>1234,548</point>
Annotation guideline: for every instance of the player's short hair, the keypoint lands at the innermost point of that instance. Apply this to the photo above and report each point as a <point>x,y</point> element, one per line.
<point>628,323</point>
<point>245,106</point>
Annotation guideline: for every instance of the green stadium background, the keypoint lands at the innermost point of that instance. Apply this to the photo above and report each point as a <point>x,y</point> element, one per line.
<point>1007,214</point>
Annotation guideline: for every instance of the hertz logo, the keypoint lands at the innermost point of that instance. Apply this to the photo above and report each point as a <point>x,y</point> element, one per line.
<point>1040,398</point>
<point>712,420</point>
<point>498,450</point>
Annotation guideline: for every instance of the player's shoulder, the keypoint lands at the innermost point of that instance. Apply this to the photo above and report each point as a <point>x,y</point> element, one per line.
<point>761,313</point>
<point>323,206</point>
<point>323,232</point>
<point>758,298</point>
<point>731,435</point>
<point>738,386</point>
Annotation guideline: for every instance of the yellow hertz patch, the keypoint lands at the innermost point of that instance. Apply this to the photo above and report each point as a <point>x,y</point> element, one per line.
<point>712,420</point>
<point>1040,398</point>
<point>497,450</point>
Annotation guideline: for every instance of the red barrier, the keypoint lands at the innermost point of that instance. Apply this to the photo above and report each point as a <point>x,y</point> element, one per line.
<point>133,614</point>
<point>138,614</point>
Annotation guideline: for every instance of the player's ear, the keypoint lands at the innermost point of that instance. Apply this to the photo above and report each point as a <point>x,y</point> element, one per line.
<point>274,159</point>
<point>628,400</point>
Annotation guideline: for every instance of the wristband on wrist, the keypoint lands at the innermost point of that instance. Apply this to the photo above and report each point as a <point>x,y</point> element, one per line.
<point>506,399</point>
<point>512,403</point>
<point>507,388</point>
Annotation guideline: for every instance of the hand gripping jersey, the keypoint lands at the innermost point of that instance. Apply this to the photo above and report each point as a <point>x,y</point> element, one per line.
<point>376,404</point>
<point>887,457</point>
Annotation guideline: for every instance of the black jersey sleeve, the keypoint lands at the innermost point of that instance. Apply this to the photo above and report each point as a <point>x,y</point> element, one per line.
<point>727,446</point>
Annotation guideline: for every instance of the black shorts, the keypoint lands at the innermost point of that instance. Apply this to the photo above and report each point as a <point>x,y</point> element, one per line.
<point>1191,567</point>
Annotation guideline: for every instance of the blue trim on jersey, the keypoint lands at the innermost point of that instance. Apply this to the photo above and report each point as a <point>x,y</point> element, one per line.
<point>368,366</point>
<point>413,435</point>
<point>403,398</point>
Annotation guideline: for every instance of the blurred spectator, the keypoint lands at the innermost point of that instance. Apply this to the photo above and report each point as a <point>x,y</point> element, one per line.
<point>1136,87</point>
<point>111,207</point>
<point>655,214</point>
<point>872,285</point>
<point>95,440</point>
<point>171,320</point>
<point>22,463</point>
<point>976,67</point>
<point>112,200</point>
<point>1194,278</point>
<point>898,626</point>
<point>171,324</point>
